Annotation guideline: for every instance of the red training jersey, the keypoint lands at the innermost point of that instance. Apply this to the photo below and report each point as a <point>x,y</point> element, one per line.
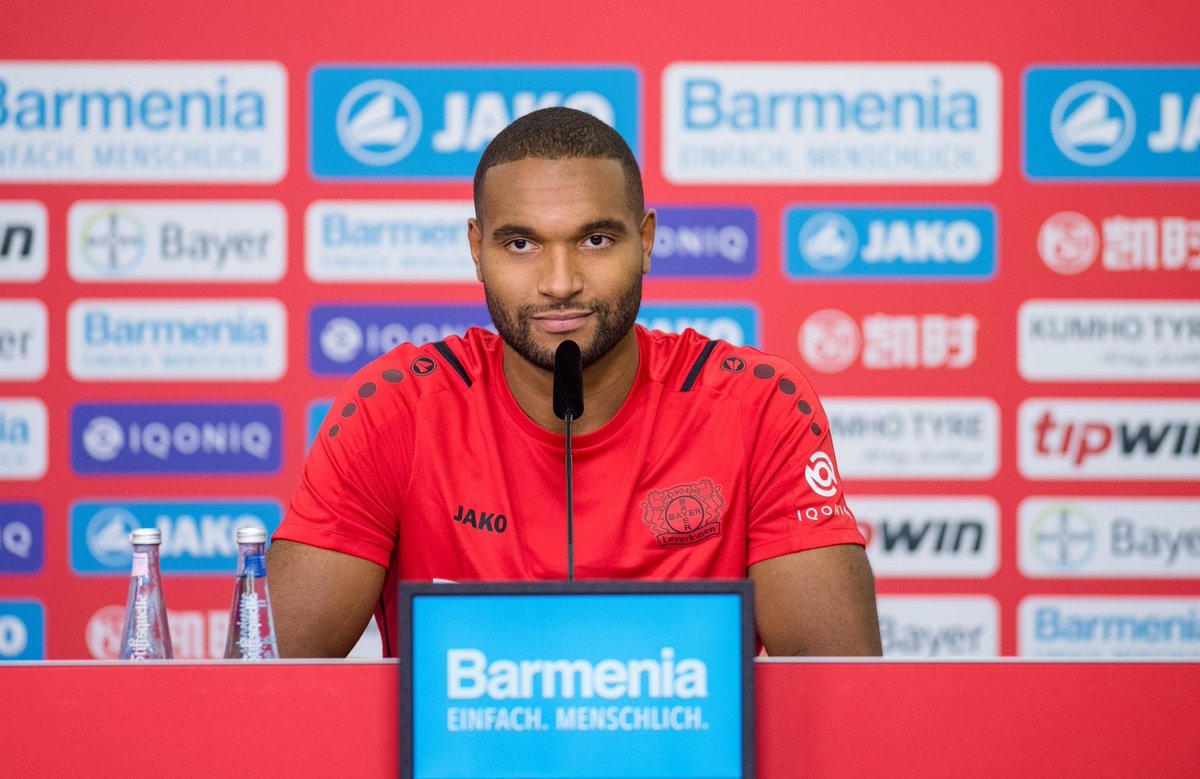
<point>719,458</point>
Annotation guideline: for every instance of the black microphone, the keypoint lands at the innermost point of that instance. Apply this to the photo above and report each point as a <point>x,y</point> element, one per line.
<point>568,381</point>
<point>568,405</point>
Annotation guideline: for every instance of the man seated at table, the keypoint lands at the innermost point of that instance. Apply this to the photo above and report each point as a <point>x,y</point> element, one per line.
<point>693,459</point>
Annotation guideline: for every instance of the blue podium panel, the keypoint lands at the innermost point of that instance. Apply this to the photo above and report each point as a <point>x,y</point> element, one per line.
<point>598,679</point>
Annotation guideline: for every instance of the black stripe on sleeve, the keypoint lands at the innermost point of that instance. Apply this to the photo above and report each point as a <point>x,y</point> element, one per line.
<point>697,366</point>
<point>452,359</point>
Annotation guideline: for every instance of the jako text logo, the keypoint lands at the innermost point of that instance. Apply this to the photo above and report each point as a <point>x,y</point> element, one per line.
<point>430,123</point>
<point>1112,123</point>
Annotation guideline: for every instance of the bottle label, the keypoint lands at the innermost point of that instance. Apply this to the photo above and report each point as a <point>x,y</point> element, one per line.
<point>256,565</point>
<point>141,564</point>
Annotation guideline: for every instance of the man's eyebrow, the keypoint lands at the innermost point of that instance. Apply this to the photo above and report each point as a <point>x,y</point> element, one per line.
<point>510,230</point>
<point>603,225</point>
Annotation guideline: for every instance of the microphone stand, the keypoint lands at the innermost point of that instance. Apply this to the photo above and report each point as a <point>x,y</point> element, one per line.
<point>570,504</point>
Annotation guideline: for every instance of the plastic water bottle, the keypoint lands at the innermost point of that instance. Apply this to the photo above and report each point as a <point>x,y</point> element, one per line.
<point>251,626</point>
<point>146,634</point>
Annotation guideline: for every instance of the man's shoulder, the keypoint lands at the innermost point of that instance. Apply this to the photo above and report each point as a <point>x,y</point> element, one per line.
<point>397,382</point>
<point>690,361</point>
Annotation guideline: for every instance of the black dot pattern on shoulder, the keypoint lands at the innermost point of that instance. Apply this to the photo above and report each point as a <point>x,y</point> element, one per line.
<point>804,407</point>
<point>393,376</point>
<point>763,371</point>
<point>367,390</point>
<point>816,429</point>
<point>787,386</point>
<point>349,409</point>
<point>333,431</point>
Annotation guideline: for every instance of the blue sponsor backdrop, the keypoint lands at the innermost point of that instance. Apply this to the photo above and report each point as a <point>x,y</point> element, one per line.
<point>176,438</point>
<point>703,241</point>
<point>892,242</point>
<point>1112,123</point>
<point>316,415</point>
<point>22,631</point>
<point>343,338</point>
<point>198,536</point>
<point>432,123</point>
<point>22,537</point>
<point>592,628</point>
<point>735,323</point>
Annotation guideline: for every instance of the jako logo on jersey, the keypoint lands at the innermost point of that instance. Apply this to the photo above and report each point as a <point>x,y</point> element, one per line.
<point>1138,440</point>
<point>1112,123</point>
<point>198,537</point>
<point>885,242</point>
<point>342,339</point>
<point>857,123</point>
<point>205,340</point>
<point>701,241</point>
<point>22,537</point>
<point>143,121</point>
<point>163,438</point>
<point>23,440</point>
<point>734,324</point>
<point>22,630</point>
<point>432,123</point>
<point>22,241</point>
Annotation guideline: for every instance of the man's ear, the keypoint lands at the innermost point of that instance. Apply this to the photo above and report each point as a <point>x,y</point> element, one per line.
<point>647,228</point>
<point>475,239</point>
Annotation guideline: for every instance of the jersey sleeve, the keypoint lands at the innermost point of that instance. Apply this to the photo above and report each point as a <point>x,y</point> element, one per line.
<point>796,499</point>
<point>354,476</point>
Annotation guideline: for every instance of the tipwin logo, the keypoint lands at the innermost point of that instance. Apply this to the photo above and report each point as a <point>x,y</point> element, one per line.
<point>1142,440</point>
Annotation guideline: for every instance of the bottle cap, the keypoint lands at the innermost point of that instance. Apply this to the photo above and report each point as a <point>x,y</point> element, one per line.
<point>251,535</point>
<point>146,535</point>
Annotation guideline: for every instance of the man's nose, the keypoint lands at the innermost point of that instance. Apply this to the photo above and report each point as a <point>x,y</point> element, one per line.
<point>560,278</point>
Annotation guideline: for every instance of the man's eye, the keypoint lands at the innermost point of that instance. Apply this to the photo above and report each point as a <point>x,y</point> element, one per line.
<point>598,241</point>
<point>520,245</point>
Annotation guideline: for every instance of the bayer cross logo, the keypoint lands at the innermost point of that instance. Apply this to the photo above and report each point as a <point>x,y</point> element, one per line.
<point>1092,123</point>
<point>378,122</point>
<point>1064,537</point>
<point>828,242</point>
<point>114,241</point>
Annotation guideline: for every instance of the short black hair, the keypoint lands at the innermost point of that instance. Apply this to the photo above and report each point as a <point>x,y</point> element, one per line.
<point>560,134</point>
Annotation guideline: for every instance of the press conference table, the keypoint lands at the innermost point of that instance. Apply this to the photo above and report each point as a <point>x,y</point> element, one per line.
<point>815,718</point>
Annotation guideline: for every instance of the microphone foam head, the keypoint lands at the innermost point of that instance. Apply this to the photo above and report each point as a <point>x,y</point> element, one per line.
<point>568,381</point>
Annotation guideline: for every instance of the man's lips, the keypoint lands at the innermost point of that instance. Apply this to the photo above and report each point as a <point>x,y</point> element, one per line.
<point>561,321</point>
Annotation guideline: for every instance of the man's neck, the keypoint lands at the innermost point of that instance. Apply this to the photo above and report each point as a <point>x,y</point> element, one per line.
<point>606,385</point>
